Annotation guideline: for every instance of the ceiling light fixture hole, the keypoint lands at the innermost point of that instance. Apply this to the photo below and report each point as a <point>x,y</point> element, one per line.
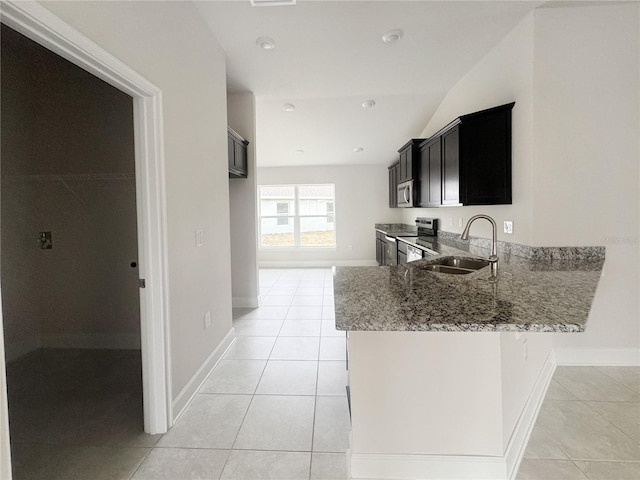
<point>266,43</point>
<point>392,36</point>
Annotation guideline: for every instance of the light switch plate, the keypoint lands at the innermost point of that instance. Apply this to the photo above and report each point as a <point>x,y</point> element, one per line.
<point>508,227</point>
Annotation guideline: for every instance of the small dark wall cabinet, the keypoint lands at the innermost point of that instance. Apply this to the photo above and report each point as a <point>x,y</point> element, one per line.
<point>394,171</point>
<point>237,151</point>
<point>410,160</point>
<point>468,162</point>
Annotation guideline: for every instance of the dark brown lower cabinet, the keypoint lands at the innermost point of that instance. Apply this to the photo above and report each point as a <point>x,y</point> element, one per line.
<point>381,248</point>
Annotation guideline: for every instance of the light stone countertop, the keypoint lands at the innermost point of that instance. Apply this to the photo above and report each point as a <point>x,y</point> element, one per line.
<point>548,290</point>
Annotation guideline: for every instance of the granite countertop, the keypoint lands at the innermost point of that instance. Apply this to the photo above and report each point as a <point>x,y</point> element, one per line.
<point>543,289</point>
<point>396,229</point>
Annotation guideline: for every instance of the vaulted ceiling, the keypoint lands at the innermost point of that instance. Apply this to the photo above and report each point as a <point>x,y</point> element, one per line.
<point>329,58</point>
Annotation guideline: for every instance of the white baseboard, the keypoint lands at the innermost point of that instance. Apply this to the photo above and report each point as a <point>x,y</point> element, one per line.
<point>245,302</point>
<point>316,263</point>
<point>128,341</point>
<point>522,431</point>
<point>597,356</point>
<point>426,467</point>
<point>187,394</point>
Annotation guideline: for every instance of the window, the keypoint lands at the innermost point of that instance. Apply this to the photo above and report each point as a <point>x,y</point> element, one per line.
<point>297,215</point>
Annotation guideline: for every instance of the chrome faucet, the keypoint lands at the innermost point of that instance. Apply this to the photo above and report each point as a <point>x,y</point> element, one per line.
<point>493,258</point>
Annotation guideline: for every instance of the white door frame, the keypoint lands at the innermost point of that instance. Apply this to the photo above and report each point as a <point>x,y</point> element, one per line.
<point>40,25</point>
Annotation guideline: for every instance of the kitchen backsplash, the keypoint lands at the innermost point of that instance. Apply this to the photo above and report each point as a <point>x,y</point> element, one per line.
<point>525,251</point>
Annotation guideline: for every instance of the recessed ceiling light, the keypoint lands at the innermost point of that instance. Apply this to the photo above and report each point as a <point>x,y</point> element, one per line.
<point>299,151</point>
<point>358,149</point>
<point>266,43</point>
<point>288,107</point>
<point>392,36</point>
<point>368,104</point>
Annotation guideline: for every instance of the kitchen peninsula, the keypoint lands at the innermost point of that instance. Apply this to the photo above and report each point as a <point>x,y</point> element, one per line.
<point>446,372</point>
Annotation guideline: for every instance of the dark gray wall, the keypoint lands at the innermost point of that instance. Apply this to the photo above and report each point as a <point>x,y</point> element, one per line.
<point>67,164</point>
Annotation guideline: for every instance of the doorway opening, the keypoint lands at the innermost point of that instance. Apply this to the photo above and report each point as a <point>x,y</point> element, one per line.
<point>71,303</point>
<point>35,22</point>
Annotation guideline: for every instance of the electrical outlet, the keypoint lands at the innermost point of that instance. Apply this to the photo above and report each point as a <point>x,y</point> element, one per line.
<point>350,247</point>
<point>508,227</point>
<point>199,237</point>
<point>45,240</point>
<point>451,222</point>
<point>460,221</point>
<point>207,320</point>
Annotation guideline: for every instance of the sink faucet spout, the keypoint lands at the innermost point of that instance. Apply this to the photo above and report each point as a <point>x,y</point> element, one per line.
<point>493,258</point>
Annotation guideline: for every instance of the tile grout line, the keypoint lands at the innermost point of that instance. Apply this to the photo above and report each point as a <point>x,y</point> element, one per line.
<point>253,395</point>
<point>624,385</point>
<point>141,463</point>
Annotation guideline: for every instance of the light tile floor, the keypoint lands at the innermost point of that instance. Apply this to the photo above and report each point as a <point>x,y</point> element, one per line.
<point>275,407</point>
<point>588,427</point>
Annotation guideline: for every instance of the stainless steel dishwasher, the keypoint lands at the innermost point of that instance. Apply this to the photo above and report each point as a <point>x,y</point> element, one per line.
<point>413,253</point>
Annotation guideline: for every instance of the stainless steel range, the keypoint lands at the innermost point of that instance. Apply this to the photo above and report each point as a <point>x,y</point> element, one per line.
<point>423,244</point>
<point>427,233</point>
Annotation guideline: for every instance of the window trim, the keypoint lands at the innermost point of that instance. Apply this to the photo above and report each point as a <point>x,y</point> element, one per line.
<point>296,219</point>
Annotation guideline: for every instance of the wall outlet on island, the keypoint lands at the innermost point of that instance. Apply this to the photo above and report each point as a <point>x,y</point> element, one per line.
<point>508,227</point>
<point>207,320</point>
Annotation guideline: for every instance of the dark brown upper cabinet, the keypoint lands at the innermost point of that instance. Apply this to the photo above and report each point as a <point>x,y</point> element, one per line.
<point>394,172</point>
<point>468,162</point>
<point>409,160</point>
<point>431,173</point>
<point>237,151</point>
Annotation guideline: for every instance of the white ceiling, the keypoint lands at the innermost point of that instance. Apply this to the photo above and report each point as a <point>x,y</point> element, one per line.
<point>329,58</point>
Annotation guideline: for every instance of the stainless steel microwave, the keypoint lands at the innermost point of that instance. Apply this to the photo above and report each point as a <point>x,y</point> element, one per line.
<point>405,194</point>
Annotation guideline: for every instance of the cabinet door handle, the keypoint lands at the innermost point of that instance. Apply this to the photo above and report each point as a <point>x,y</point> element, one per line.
<point>405,194</point>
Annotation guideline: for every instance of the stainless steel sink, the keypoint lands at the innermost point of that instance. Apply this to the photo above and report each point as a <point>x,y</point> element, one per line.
<point>466,263</point>
<point>456,266</point>
<point>445,269</point>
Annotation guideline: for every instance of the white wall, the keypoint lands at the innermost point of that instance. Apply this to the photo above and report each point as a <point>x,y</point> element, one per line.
<point>241,116</point>
<point>361,201</point>
<point>573,73</point>
<point>586,188</point>
<point>414,393</point>
<point>523,357</point>
<point>170,45</point>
